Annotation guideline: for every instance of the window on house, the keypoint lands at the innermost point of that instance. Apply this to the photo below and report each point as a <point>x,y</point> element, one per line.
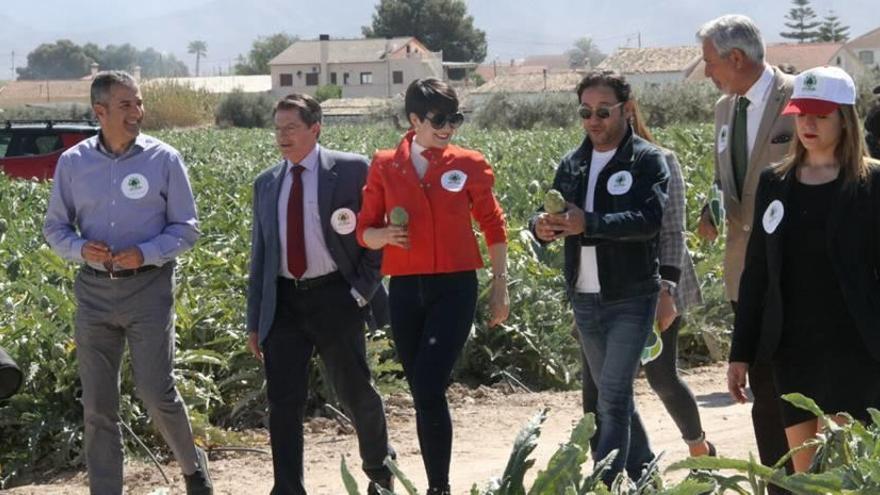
<point>312,79</point>
<point>366,78</point>
<point>333,78</point>
<point>397,77</point>
<point>286,80</point>
<point>345,79</point>
<point>866,57</point>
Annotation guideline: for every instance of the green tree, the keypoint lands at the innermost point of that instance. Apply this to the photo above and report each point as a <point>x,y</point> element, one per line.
<point>199,49</point>
<point>439,24</point>
<point>832,29</point>
<point>263,50</point>
<point>60,60</point>
<point>802,22</point>
<point>126,57</point>
<point>584,52</point>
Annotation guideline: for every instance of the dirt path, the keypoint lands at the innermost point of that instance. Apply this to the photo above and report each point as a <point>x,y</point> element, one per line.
<point>486,423</point>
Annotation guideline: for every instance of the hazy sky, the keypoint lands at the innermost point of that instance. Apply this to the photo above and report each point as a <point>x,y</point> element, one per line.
<point>515,28</point>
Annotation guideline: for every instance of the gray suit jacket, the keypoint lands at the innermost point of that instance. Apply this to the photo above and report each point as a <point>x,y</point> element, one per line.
<point>341,176</point>
<point>772,144</point>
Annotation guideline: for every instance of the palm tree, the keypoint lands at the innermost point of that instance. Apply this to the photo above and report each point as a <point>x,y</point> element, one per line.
<point>199,48</point>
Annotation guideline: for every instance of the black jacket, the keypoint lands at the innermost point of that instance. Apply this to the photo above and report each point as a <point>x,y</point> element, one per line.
<point>852,233</point>
<point>624,227</point>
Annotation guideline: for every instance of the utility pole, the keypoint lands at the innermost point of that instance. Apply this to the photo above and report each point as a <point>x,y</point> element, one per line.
<point>12,57</point>
<point>640,39</point>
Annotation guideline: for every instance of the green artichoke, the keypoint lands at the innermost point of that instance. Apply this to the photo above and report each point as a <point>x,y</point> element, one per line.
<point>399,217</point>
<point>554,202</point>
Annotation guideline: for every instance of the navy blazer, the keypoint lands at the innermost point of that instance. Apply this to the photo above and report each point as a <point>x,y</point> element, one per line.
<point>852,233</point>
<point>341,176</point>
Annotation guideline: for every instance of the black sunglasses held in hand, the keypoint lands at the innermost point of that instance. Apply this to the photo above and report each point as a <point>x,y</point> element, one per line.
<point>601,112</point>
<point>439,120</point>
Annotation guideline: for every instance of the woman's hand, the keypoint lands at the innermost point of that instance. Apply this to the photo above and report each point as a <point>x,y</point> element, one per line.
<point>377,238</point>
<point>499,301</point>
<point>666,310</point>
<point>736,381</point>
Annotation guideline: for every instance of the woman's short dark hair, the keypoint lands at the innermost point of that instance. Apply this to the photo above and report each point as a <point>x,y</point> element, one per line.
<point>430,95</point>
<point>309,109</point>
<point>608,78</point>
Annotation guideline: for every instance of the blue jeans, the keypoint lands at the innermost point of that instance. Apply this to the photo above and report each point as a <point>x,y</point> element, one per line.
<point>612,336</point>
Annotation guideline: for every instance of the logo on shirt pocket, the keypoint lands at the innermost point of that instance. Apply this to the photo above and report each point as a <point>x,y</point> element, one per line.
<point>773,216</point>
<point>453,180</point>
<point>620,183</point>
<point>135,186</point>
<point>343,221</point>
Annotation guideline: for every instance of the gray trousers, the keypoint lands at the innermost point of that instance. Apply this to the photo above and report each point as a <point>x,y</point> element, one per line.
<point>138,310</point>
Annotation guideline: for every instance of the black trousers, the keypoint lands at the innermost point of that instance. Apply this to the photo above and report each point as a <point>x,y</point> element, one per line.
<point>326,319</point>
<point>767,418</point>
<point>431,318</point>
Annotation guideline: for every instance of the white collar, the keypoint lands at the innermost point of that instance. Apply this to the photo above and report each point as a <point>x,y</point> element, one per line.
<point>416,149</point>
<point>757,94</point>
<point>310,162</point>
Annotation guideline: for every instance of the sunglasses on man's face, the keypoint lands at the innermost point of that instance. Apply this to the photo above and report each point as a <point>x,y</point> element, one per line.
<point>602,112</point>
<point>439,120</point>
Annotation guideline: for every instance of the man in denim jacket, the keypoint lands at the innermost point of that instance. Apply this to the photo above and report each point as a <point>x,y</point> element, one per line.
<point>614,185</point>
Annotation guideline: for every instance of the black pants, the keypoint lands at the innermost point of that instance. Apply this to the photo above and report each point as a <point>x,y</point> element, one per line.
<point>328,319</point>
<point>767,418</point>
<point>431,318</point>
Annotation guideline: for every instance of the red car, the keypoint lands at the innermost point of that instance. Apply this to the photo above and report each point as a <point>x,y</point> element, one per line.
<point>29,149</point>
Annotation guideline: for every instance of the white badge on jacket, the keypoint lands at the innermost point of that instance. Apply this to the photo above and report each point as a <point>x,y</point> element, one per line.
<point>343,221</point>
<point>453,180</point>
<point>135,186</point>
<point>620,183</point>
<point>723,136</point>
<point>773,216</point>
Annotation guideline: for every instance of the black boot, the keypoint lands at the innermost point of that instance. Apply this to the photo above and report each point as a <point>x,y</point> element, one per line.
<point>387,483</point>
<point>199,483</point>
<point>443,490</point>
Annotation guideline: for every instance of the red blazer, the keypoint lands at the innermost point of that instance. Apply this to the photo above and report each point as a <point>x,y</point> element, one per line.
<point>457,186</point>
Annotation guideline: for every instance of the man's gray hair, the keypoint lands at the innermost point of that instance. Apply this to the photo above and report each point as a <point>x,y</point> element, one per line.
<point>734,31</point>
<point>100,91</point>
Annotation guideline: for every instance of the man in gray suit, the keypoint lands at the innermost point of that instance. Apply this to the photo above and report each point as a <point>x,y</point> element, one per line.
<point>311,287</point>
<point>750,134</point>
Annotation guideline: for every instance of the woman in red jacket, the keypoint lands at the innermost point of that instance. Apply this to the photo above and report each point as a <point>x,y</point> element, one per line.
<point>431,254</point>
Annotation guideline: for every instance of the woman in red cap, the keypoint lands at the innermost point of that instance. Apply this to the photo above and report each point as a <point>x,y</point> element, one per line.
<point>809,297</point>
<point>418,207</point>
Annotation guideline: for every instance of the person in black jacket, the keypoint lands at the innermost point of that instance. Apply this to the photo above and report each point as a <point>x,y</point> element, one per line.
<point>614,184</point>
<point>809,299</point>
<point>872,127</point>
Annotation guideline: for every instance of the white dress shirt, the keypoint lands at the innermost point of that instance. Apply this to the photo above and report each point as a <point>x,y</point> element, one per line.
<point>318,259</point>
<point>419,161</point>
<point>757,95</point>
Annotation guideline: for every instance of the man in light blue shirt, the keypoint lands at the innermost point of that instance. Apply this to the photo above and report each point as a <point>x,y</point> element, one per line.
<point>122,207</point>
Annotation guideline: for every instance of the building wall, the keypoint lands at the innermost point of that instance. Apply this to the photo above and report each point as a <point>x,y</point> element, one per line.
<point>646,79</point>
<point>381,83</point>
<point>849,62</point>
<point>875,54</point>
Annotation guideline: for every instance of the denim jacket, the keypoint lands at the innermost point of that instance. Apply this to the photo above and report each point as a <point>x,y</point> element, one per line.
<point>627,214</point>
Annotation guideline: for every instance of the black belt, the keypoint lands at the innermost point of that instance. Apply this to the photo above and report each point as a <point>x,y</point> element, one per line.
<point>117,274</point>
<point>311,283</point>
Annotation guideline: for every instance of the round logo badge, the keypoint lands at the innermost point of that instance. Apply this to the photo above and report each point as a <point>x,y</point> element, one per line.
<point>620,183</point>
<point>453,181</point>
<point>722,138</point>
<point>343,221</point>
<point>135,186</point>
<point>773,216</point>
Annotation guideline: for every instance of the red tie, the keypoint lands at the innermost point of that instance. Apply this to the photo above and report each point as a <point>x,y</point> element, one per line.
<point>296,240</point>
